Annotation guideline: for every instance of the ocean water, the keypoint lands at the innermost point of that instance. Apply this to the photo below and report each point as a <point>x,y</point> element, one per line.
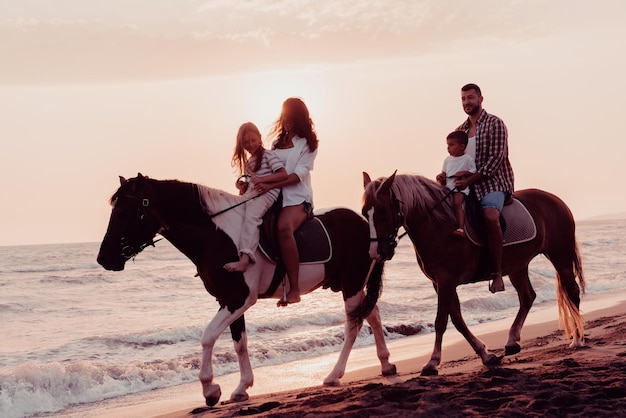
<point>75,334</point>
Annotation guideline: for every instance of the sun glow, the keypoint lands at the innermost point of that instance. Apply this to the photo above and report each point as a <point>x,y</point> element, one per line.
<point>263,94</point>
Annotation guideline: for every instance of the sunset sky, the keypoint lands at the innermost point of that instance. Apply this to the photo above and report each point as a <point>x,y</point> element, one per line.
<point>93,89</point>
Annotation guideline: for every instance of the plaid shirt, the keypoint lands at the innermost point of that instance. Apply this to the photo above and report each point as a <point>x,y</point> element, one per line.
<point>492,155</point>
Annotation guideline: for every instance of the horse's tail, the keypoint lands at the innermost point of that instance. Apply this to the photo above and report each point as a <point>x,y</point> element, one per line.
<point>570,317</point>
<point>373,286</point>
<point>578,268</point>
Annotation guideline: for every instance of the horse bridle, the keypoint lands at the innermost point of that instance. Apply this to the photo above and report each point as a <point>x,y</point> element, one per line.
<point>130,250</point>
<point>397,221</point>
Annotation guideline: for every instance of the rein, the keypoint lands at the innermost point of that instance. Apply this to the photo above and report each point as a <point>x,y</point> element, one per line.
<point>213,215</point>
<point>244,178</point>
<point>428,212</point>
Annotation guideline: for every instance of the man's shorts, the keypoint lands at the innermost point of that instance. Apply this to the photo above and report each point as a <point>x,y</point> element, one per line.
<point>493,200</point>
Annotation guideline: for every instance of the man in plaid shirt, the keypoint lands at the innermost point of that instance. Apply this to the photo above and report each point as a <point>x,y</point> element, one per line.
<point>493,180</point>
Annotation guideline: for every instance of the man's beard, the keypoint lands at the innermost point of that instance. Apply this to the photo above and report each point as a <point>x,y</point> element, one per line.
<point>471,111</point>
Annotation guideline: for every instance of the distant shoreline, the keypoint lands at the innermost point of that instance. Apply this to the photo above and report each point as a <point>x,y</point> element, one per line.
<point>607,217</point>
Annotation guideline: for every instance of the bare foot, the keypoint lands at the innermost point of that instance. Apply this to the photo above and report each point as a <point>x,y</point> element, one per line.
<point>496,284</point>
<point>236,266</point>
<point>289,299</point>
<point>459,233</point>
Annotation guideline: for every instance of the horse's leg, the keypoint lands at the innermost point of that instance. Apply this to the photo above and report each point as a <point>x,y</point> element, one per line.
<point>441,323</point>
<point>526,296</point>
<point>488,359</point>
<point>218,324</point>
<point>240,342</point>
<point>351,330</point>
<point>382,351</point>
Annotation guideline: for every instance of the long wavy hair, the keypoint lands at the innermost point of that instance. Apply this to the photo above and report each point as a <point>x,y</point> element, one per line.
<point>303,126</point>
<point>240,156</point>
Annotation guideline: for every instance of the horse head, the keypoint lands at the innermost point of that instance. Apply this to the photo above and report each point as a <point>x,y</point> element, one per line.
<point>381,208</point>
<point>131,228</point>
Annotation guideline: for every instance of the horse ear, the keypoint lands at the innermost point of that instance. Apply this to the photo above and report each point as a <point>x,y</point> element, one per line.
<point>387,183</point>
<point>366,179</point>
<point>122,180</point>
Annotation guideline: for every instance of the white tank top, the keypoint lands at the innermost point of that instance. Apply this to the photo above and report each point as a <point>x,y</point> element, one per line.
<point>471,147</point>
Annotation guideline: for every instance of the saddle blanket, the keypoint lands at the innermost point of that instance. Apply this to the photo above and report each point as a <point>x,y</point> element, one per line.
<point>520,226</point>
<point>313,242</point>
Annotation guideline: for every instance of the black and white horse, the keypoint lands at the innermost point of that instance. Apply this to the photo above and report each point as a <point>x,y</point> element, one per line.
<point>181,212</point>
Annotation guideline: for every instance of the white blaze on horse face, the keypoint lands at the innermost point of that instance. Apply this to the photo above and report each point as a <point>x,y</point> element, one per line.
<point>373,238</point>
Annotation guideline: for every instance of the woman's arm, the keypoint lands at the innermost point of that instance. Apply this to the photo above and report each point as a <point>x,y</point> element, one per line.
<point>305,163</point>
<point>288,181</point>
<point>303,166</point>
<point>279,175</point>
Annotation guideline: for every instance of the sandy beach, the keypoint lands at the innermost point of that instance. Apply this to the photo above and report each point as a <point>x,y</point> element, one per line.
<point>546,378</point>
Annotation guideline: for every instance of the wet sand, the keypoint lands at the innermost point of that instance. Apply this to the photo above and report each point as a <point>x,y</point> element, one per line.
<point>547,378</point>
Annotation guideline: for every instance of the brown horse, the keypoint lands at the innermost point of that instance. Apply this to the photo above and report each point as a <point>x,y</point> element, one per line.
<point>204,224</point>
<point>425,210</point>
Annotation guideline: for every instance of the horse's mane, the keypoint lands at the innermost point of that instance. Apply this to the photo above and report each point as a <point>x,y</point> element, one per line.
<point>176,189</point>
<point>190,203</point>
<point>206,201</point>
<point>417,194</point>
<point>215,200</point>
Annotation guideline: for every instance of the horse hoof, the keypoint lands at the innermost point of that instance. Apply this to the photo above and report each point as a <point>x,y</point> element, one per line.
<point>214,397</point>
<point>509,350</point>
<point>239,397</point>
<point>493,361</point>
<point>429,372</point>
<point>577,343</point>
<point>331,382</point>
<point>392,371</point>
<point>211,400</point>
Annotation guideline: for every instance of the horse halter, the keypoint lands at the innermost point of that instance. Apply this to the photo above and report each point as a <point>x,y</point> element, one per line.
<point>397,221</point>
<point>131,250</point>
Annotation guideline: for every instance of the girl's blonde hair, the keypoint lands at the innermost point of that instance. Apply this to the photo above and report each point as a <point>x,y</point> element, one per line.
<point>240,156</point>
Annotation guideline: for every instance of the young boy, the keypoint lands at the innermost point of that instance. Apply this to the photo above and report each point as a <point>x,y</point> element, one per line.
<point>458,161</point>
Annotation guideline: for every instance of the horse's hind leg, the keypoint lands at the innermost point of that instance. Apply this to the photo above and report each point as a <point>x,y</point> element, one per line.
<point>382,351</point>
<point>526,296</point>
